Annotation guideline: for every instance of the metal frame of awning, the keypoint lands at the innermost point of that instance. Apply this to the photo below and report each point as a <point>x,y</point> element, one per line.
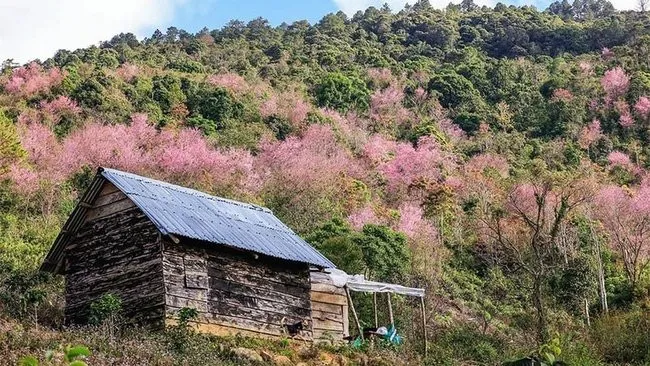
<point>359,283</point>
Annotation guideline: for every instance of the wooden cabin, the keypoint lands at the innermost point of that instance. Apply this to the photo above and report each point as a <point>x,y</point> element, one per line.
<point>160,247</point>
<point>329,306</point>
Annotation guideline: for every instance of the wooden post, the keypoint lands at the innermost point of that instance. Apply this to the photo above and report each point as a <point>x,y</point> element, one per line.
<point>424,328</point>
<point>587,312</point>
<point>602,291</point>
<point>390,310</point>
<point>354,313</point>
<point>374,304</point>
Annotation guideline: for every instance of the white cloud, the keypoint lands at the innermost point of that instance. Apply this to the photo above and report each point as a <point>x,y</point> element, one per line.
<point>625,4</point>
<point>38,28</point>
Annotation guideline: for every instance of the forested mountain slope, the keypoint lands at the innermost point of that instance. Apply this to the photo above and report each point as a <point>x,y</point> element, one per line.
<point>496,156</point>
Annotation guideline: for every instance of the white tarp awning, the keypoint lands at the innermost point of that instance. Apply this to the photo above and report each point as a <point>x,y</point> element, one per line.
<point>360,284</point>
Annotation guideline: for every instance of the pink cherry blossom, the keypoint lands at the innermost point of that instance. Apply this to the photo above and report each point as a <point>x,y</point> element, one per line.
<point>642,107</point>
<point>25,180</point>
<point>617,158</point>
<point>366,215</point>
<point>60,107</point>
<point>480,163</point>
<point>562,95</point>
<point>127,71</point>
<point>381,76</point>
<point>31,79</point>
<point>590,134</point>
<point>585,67</point>
<point>615,82</point>
<point>625,215</point>
<point>386,108</point>
<point>231,81</point>
<point>626,120</point>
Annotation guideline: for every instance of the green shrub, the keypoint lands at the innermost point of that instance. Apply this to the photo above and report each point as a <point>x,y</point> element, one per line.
<point>622,337</point>
<point>465,345</point>
<point>343,93</point>
<point>105,312</point>
<point>68,355</point>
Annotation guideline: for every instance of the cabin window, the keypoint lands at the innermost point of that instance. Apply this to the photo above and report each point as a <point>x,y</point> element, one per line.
<point>196,272</point>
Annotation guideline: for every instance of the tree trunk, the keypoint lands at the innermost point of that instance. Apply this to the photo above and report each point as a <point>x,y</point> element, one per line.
<point>602,291</point>
<point>538,302</point>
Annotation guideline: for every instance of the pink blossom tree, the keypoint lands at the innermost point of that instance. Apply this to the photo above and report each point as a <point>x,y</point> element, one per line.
<point>288,106</point>
<point>524,226</point>
<point>642,107</point>
<point>625,216</point>
<point>59,108</point>
<point>615,82</point>
<point>386,109</point>
<point>127,71</point>
<point>562,94</point>
<point>590,134</point>
<point>364,216</point>
<point>381,77</point>
<point>31,79</point>
<point>230,81</point>
<point>184,156</point>
<point>403,165</point>
<point>617,158</point>
<point>312,174</point>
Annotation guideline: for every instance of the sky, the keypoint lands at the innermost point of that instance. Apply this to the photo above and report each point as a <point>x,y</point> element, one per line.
<point>36,29</point>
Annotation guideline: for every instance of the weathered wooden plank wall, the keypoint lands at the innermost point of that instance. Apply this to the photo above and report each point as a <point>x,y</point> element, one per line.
<point>329,309</point>
<point>117,250</point>
<point>234,292</point>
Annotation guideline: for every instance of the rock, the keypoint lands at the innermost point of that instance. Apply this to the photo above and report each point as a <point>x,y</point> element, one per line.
<point>266,355</point>
<point>281,360</point>
<point>247,354</point>
<point>342,361</point>
<point>327,359</point>
<point>362,359</point>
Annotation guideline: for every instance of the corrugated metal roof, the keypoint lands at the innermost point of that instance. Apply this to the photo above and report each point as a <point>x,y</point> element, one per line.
<point>197,215</point>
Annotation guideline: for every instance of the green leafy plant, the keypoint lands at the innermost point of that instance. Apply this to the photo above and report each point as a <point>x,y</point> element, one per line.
<point>550,351</point>
<point>186,315</point>
<point>105,312</point>
<point>64,355</point>
<point>180,333</point>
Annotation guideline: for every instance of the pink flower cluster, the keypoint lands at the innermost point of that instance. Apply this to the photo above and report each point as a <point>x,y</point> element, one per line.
<point>386,108</point>
<point>401,164</point>
<point>590,134</point>
<point>31,79</point>
<point>562,95</point>
<point>617,158</point>
<point>127,71</point>
<point>642,107</point>
<point>60,107</point>
<point>313,161</point>
<point>289,106</point>
<point>585,67</point>
<point>230,81</point>
<point>615,82</point>
<point>183,156</point>
<point>366,215</point>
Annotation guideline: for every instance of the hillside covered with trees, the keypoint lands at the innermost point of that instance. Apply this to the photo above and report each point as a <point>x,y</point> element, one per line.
<point>496,156</point>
